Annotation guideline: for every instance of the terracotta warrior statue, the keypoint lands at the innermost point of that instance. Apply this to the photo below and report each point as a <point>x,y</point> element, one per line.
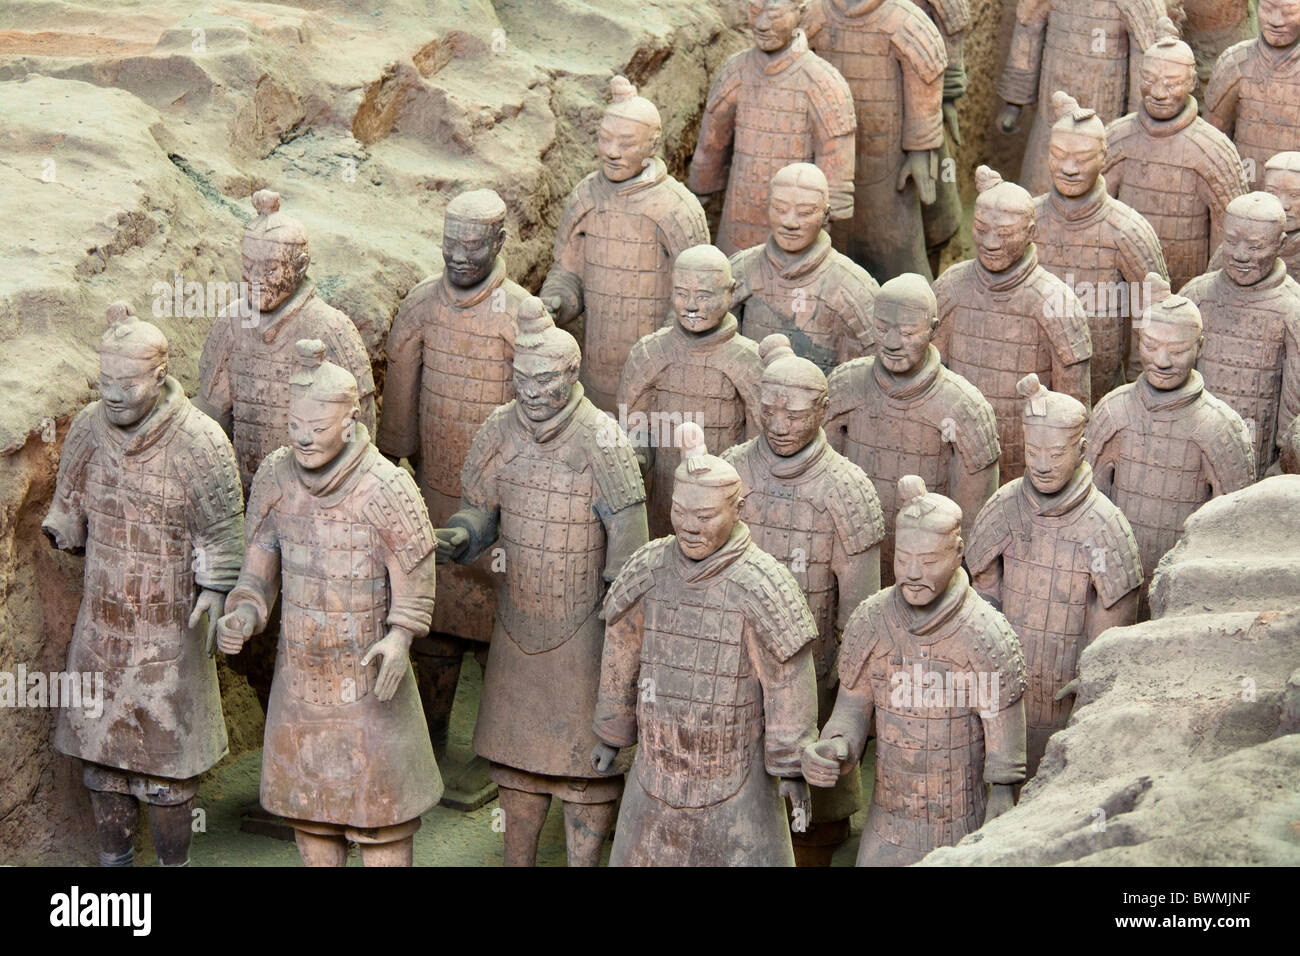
<point>1092,47</point>
<point>1002,315</point>
<point>621,228</point>
<point>1251,312</point>
<point>341,535</point>
<point>698,369</point>
<point>940,672</point>
<point>552,484</point>
<point>894,60</point>
<point>250,354</point>
<point>1254,92</point>
<point>817,513</point>
<point>795,284</point>
<point>148,489</point>
<point>1171,166</point>
<point>449,365</point>
<point>902,412</point>
<point>1162,446</point>
<point>708,669</point>
<point>1101,247</point>
<point>1056,556</point>
<point>768,107</point>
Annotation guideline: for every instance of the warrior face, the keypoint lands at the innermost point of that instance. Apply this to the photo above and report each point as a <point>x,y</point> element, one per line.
<point>543,383</point>
<point>701,296</point>
<point>319,430</point>
<point>1279,22</point>
<point>273,270</point>
<point>1075,161</point>
<point>1166,85</point>
<point>1250,248</point>
<point>773,23</point>
<point>903,335</point>
<point>129,387</point>
<point>626,147</point>
<point>469,249</point>
<point>703,516</point>
<point>924,563</point>
<point>1169,352</point>
<point>796,215</point>
<point>1001,235</point>
<point>1285,185</point>
<point>1052,455</point>
<point>791,417</point>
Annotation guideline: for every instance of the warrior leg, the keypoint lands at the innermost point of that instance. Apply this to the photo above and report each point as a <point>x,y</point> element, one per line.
<point>437,661</point>
<point>172,829</point>
<point>586,825</point>
<point>320,849</point>
<point>115,817</point>
<point>524,813</point>
<point>386,846</point>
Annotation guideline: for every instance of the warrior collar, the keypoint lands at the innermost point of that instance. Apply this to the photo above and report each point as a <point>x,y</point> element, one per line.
<point>782,60</point>
<point>330,478</point>
<point>805,460</point>
<point>693,571</point>
<point>459,297</point>
<point>1075,493</point>
<point>1157,127</point>
<point>638,182</point>
<point>725,331</point>
<point>797,265</point>
<point>908,386</point>
<point>1157,401</point>
<point>1081,209</point>
<point>925,621</point>
<point>1017,274</point>
<point>145,433</point>
<point>1281,59</point>
<point>273,322</point>
<point>542,432</point>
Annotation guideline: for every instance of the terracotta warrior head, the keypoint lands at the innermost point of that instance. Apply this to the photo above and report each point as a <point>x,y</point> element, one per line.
<point>1004,225</point>
<point>702,288</point>
<point>1170,339</point>
<point>1279,22</point>
<point>794,397</point>
<point>1054,441</point>
<point>1253,229</point>
<point>1168,73</point>
<point>1282,179</point>
<point>629,133</point>
<point>706,496</point>
<point>473,232</point>
<point>323,407</point>
<point>774,22</point>
<point>546,362</point>
<point>798,206</point>
<point>906,316</point>
<point>132,366</point>
<point>274,252</point>
<point>1077,147</point>
<point>927,542</point>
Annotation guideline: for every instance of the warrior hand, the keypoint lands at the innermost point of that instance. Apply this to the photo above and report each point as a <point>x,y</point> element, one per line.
<point>922,167</point>
<point>235,628</point>
<point>950,121</point>
<point>822,761</point>
<point>210,603</point>
<point>59,540</point>
<point>395,649</point>
<point>602,757</point>
<point>796,791</point>
<point>1000,801</point>
<point>1009,118</point>
<point>1070,689</point>
<point>451,543</point>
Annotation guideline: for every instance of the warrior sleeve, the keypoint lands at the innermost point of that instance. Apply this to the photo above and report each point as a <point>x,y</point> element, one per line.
<point>989,537</point>
<point>216,508</point>
<point>620,667</point>
<point>947,291</point>
<point>1222,179</point>
<point>789,705</point>
<point>1230,465</point>
<point>1071,350</point>
<point>259,577</point>
<point>854,703</point>
<point>857,577</point>
<point>859,530</point>
<point>1290,405</point>
<point>397,512</point>
<point>214,398</point>
<point>953,18</point>
<point>621,494</point>
<point>1103,427</point>
<point>564,280</point>
<point>1005,744</point>
<point>834,123</point>
<point>919,48</point>
<point>1019,83</point>
<point>480,509</point>
<point>844,387</point>
<point>65,523</point>
<point>1223,91</point>
<point>717,127</point>
<point>1003,716</point>
<point>399,428</point>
